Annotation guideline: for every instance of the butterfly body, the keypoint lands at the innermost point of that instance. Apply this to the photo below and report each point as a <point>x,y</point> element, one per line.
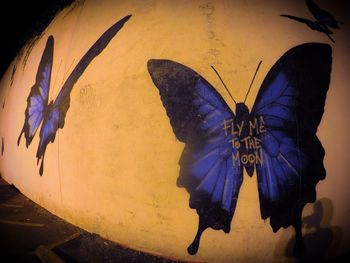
<point>276,138</point>
<point>244,131</point>
<point>47,109</point>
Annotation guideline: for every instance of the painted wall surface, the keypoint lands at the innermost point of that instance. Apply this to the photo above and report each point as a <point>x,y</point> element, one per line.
<point>113,168</point>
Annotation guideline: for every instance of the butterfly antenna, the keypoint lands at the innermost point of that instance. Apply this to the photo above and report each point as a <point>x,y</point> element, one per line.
<point>70,66</point>
<point>330,38</point>
<point>65,73</point>
<point>223,83</point>
<point>251,83</point>
<point>54,82</point>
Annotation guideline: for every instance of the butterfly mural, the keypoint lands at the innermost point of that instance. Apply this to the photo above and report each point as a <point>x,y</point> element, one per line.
<point>324,20</point>
<point>52,115</point>
<point>277,138</point>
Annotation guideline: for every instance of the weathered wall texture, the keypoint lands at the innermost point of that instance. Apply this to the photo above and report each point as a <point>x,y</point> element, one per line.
<point>112,169</point>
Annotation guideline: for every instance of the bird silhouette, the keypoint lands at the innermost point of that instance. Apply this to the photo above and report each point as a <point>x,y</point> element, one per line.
<point>324,20</point>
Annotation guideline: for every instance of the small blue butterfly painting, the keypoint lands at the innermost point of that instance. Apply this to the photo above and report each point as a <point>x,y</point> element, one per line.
<point>324,20</point>
<point>52,115</point>
<point>276,138</point>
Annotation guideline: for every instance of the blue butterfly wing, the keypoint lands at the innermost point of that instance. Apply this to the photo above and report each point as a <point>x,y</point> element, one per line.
<point>197,113</point>
<point>57,110</point>
<point>38,97</point>
<point>291,101</point>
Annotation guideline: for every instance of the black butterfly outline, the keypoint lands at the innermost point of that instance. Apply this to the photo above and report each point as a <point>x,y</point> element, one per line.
<point>52,115</point>
<point>291,101</point>
<point>324,20</point>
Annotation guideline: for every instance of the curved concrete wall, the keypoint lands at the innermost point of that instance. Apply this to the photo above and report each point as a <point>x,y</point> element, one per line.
<point>112,169</point>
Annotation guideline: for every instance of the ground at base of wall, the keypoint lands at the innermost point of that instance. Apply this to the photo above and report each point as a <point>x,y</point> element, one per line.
<point>29,233</point>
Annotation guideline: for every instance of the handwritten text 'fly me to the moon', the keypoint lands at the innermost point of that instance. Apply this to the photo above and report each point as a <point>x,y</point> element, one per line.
<point>247,150</point>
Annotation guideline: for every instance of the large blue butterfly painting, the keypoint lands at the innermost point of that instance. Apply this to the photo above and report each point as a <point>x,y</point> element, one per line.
<point>52,115</point>
<point>277,139</point>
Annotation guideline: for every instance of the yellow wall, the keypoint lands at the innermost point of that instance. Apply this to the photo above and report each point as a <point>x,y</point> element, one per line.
<point>113,167</point>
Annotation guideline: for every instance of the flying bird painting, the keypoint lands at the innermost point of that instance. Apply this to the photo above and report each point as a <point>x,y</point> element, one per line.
<point>324,20</point>
<point>276,138</point>
<point>52,115</point>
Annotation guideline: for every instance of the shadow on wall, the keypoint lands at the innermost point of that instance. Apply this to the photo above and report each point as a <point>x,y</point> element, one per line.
<point>321,238</point>
<point>7,192</point>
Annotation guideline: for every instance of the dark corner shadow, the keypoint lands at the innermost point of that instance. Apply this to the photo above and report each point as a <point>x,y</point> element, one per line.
<point>321,239</point>
<point>7,191</point>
